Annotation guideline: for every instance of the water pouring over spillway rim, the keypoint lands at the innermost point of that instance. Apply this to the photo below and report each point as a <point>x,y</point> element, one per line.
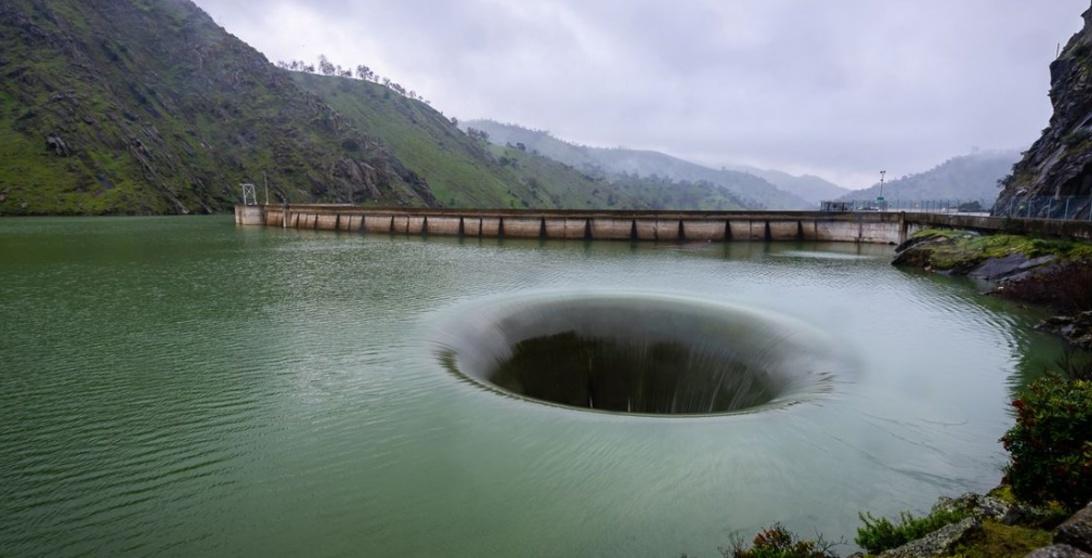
<point>636,353</point>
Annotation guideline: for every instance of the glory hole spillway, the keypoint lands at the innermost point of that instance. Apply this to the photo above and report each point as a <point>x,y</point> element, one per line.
<point>639,354</point>
<point>485,383</point>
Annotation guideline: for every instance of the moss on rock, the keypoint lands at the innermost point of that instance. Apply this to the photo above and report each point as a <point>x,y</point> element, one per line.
<point>961,251</point>
<point>997,540</point>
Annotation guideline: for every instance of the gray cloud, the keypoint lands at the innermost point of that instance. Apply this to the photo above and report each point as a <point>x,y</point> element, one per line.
<point>839,88</point>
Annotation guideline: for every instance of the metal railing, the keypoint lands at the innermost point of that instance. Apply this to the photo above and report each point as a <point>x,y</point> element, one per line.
<point>1070,208</point>
<point>911,206</point>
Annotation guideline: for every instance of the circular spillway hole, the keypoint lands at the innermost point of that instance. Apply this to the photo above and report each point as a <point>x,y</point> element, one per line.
<point>638,354</point>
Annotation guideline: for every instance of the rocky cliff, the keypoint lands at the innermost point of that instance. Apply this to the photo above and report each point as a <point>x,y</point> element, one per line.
<point>1060,163</point>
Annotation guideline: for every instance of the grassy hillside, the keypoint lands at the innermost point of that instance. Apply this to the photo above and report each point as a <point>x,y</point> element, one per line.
<point>465,172</point>
<point>752,191</point>
<point>147,106</point>
<point>460,171</point>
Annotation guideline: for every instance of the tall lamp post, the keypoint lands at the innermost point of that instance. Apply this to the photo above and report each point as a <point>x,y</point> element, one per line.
<point>880,201</point>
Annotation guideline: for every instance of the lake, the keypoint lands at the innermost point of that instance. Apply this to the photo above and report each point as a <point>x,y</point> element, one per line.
<point>180,386</point>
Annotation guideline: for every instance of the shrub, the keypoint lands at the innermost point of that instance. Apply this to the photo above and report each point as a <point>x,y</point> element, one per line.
<point>878,535</point>
<point>778,542</point>
<point>1051,443</point>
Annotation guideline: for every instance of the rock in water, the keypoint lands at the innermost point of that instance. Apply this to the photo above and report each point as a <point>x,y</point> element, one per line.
<point>995,269</point>
<point>1076,329</point>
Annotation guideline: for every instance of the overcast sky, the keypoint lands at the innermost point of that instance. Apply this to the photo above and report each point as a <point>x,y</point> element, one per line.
<point>838,88</point>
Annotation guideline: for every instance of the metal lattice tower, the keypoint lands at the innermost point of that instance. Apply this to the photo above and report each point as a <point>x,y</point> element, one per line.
<point>250,194</point>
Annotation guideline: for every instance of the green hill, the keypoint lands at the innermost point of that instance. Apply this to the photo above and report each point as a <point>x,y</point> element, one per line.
<point>466,172</point>
<point>460,171</point>
<point>147,106</point>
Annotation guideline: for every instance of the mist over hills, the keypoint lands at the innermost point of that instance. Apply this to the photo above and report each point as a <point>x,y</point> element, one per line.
<point>973,177</point>
<point>753,190</point>
<point>809,187</point>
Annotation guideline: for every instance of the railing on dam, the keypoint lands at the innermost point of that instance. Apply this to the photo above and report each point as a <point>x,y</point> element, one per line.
<point>639,225</point>
<point>1065,208</point>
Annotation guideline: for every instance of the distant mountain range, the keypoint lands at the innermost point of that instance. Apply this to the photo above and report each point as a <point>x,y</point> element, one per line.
<point>811,188</point>
<point>972,177</point>
<point>757,188</point>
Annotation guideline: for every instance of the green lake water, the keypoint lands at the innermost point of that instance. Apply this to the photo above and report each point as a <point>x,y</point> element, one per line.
<point>180,386</point>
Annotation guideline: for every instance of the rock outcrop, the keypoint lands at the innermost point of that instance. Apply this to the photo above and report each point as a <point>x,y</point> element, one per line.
<point>1051,273</point>
<point>1077,530</point>
<point>1059,551</point>
<point>938,543</point>
<point>1060,163</point>
<point>1077,329</point>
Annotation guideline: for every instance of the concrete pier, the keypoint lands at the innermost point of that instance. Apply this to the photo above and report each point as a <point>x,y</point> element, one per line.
<point>669,226</point>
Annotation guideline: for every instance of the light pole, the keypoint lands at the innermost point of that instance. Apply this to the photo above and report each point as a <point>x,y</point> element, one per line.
<point>880,200</point>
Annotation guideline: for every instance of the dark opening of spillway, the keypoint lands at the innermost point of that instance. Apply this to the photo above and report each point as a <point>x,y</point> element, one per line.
<point>638,354</point>
<point>661,377</point>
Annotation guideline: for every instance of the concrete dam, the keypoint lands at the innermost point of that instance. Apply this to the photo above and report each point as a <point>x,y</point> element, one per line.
<point>643,225</point>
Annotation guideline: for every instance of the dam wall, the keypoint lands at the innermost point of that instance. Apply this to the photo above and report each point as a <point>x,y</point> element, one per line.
<point>669,226</point>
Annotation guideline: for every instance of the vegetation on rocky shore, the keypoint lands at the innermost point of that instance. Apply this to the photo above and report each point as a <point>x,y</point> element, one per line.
<point>1049,272</point>
<point>961,251</point>
<point>1048,479</point>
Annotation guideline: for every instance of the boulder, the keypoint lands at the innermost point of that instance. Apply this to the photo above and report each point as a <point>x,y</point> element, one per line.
<point>1058,551</point>
<point>1077,530</point>
<point>917,251</point>
<point>938,543</point>
<point>981,506</point>
<point>1077,329</point>
<point>57,145</point>
<point>995,269</point>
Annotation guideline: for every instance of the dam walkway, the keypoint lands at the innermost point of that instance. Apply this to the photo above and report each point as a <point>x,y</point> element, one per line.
<point>671,226</point>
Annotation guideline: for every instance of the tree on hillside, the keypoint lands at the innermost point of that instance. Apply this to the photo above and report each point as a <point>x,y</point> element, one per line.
<point>363,72</point>
<point>325,66</point>
<point>454,121</point>
<point>480,135</point>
